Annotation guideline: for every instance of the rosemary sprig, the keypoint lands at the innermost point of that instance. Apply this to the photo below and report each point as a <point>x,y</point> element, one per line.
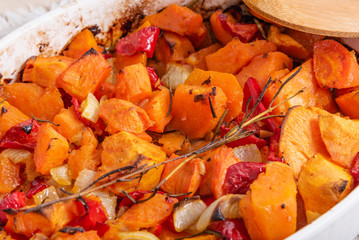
<point>131,173</point>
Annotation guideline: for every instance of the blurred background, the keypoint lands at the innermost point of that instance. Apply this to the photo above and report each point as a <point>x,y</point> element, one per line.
<point>14,13</point>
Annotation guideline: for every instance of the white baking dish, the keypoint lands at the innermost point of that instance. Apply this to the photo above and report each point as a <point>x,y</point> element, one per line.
<point>49,34</point>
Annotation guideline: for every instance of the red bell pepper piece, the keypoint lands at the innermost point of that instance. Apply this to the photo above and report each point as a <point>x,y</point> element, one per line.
<point>252,89</point>
<point>232,229</point>
<point>155,81</point>
<point>156,230</point>
<point>252,139</point>
<point>36,186</point>
<point>15,200</point>
<point>239,176</point>
<point>274,147</point>
<point>245,32</point>
<point>143,40</point>
<point>92,217</point>
<point>355,169</point>
<point>22,135</point>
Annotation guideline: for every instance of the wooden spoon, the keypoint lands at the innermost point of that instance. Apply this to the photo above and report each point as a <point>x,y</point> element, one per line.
<point>324,17</point>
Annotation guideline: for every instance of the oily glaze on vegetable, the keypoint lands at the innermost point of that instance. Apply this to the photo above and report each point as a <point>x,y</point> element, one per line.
<point>190,127</point>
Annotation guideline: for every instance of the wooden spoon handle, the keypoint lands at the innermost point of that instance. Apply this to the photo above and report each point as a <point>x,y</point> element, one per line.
<point>323,17</point>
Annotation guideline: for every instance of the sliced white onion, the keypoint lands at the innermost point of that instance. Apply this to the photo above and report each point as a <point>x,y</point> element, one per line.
<point>138,235</point>
<point>176,74</point>
<point>187,213</point>
<point>16,155</point>
<point>226,205</point>
<point>109,202</point>
<point>46,195</point>
<point>84,179</point>
<point>90,108</point>
<point>61,175</point>
<point>248,153</point>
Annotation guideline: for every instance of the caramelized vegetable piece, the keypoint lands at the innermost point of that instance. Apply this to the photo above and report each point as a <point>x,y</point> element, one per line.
<point>192,112</point>
<point>341,137</point>
<point>227,82</point>
<point>287,44</point>
<point>300,139</point>
<point>22,135</point>
<point>185,180</point>
<point>172,142</point>
<point>157,108</point>
<point>322,184</point>
<point>51,149</point>
<point>84,75</point>
<point>133,84</point>
<point>9,175</point>
<point>125,149</point>
<point>45,70</point>
<point>269,209</point>
<point>262,66</point>
<point>217,163</point>
<point>219,32</point>
<point>235,55</point>
<point>9,117</point>
<point>334,66</point>
<point>197,59</point>
<point>87,157</point>
<point>122,115</point>
<point>28,224</point>
<point>243,31</point>
<point>349,104</point>
<point>173,47</point>
<point>313,95</point>
<point>82,43</point>
<point>15,200</point>
<point>175,18</point>
<point>149,213</point>
<point>123,60</point>
<point>21,95</point>
<point>78,235</point>
<point>69,125</point>
<point>143,40</point>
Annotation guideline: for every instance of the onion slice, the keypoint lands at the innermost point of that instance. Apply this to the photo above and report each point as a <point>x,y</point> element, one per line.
<point>225,207</point>
<point>187,213</point>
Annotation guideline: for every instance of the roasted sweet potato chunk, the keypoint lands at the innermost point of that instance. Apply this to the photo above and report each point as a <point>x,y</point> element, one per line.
<point>269,209</point>
<point>133,84</point>
<point>349,104</point>
<point>287,44</point>
<point>341,137</point>
<point>235,55</point>
<point>300,138</point>
<point>322,184</point>
<point>192,112</point>
<point>9,117</point>
<point>262,66</point>
<point>82,43</point>
<point>121,115</point>
<point>312,95</point>
<point>21,95</point>
<point>51,149</point>
<point>45,70</point>
<point>185,180</point>
<point>83,76</point>
<point>125,149</point>
<point>226,82</point>
<point>175,18</point>
<point>9,175</point>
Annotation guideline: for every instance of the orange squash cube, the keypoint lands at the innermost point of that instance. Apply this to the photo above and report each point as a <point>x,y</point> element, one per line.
<point>51,149</point>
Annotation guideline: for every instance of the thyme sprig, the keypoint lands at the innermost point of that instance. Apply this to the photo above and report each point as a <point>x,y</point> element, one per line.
<point>130,173</point>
